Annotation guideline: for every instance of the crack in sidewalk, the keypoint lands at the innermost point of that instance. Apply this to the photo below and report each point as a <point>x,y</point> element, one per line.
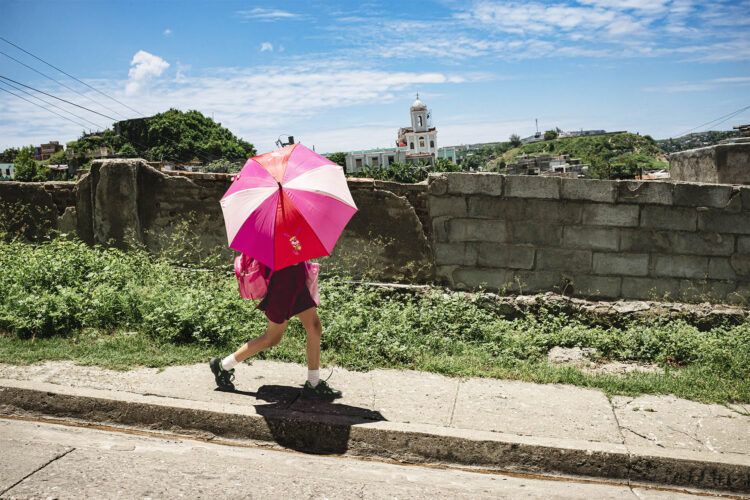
<point>24,478</point>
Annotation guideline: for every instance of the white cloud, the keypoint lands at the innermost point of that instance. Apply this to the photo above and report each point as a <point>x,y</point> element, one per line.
<point>167,32</point>
<point>267,14</point>
<point>733,81</point>
<point>144,68</point>
<point>266,46</point>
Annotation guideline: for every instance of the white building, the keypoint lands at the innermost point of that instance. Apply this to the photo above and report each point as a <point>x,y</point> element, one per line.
<point>414,144</point>
<point>7,171</point>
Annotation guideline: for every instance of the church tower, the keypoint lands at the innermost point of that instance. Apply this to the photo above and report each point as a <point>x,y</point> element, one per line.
<point>420,140</point>
<point>419,116</point>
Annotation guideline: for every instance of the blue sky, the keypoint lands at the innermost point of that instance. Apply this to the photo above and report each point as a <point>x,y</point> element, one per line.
<point>342,75</point>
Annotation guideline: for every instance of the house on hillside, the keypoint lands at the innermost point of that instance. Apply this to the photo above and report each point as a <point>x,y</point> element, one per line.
<point>7,171</point>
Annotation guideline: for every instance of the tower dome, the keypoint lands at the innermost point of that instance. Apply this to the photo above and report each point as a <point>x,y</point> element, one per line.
<point>417,104</point>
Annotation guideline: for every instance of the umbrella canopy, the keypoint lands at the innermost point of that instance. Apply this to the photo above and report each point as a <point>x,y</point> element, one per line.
<point>287,206</point>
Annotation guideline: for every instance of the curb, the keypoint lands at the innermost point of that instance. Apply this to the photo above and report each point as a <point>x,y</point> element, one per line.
<point>416,443</point>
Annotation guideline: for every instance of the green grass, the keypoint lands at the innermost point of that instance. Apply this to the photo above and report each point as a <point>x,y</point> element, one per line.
<point>64,300</point>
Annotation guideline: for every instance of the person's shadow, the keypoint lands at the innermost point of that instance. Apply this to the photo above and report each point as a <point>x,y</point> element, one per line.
<point>309,425</point>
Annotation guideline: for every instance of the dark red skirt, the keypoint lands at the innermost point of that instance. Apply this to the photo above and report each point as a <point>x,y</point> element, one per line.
<point>287,294</point>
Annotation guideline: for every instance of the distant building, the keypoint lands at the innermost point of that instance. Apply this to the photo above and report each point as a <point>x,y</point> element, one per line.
<point>7,171</point>
<point>414,144</point>
<point>547,165</point>
<point>44,151</point>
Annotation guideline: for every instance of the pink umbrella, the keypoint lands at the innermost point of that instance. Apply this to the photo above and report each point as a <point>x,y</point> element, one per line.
<point>287,206</point>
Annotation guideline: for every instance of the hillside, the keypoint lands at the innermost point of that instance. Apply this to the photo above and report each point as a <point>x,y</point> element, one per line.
<point>174,135</point>
<point>615,155</point>
<point>696,140</point>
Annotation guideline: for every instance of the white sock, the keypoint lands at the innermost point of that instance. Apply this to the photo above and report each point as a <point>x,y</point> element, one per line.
<point>313,376</point>
<point>229,362</point>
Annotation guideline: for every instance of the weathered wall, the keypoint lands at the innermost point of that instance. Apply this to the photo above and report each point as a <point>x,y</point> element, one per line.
<point>33,209</point>
<point>720,164</point>
<point>607,239</point>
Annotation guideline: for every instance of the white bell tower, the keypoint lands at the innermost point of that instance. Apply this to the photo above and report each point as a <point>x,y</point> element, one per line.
<point>419,116</point>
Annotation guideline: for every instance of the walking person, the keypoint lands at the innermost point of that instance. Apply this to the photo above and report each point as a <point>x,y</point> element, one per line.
<point>282,209</point>
<point>287,296</point>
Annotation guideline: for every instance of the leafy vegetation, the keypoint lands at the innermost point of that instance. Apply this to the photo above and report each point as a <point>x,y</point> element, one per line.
<point>173,135</point>
<point>407,173</point>
<point>64,300</point>
<point>696,140</point>
<point>28,169</point>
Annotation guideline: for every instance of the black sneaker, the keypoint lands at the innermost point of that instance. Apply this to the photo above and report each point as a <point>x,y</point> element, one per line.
<point>223,377</point>
<point>320,391</point>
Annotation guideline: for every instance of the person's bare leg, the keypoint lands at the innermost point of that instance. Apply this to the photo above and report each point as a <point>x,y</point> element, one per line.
<point>314,329</point>
<point>269,339</point>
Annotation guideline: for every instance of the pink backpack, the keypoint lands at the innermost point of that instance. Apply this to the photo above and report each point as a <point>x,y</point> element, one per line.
<point>253,283</point>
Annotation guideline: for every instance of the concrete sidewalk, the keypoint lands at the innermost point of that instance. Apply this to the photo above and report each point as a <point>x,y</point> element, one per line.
<point>411,416</point>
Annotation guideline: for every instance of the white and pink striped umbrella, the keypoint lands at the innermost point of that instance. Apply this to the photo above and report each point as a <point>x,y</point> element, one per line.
<point>287,206</point>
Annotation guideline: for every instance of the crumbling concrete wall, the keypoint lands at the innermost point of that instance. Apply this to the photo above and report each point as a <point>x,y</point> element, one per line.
<point>591,238</point>
<point>719,164</point>
<point>33,210</point>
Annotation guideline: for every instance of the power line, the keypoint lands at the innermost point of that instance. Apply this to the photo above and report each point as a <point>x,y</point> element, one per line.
<point>59,83</point>
<point>58,98</point>
<point>53,105</point>
<point>35,104</point>
<point>718,120</point>
<point>71,76</point>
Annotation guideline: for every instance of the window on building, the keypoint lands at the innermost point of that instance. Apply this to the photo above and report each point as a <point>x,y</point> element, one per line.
<point>432,144</point>
<point>421,142</point>
<point>411,145</point>
<point>374,161</point>
<point>391,159</point>
<point>358,163</point>
<point>419,121</point>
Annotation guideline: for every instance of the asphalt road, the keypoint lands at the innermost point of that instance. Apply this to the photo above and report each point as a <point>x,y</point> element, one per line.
<point>44,460</point>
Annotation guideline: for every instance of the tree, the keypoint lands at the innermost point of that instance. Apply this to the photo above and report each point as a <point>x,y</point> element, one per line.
<point>9,155</point>
<point>515,140</point>
<point>339,158</point>
<point>58,158</point>
<point>127,151</point>
<point>550,134</point>
<point>27,169</point>
<point>222,166</point>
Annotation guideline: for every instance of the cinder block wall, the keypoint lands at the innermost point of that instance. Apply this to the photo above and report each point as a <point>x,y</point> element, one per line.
<point>590,238</point>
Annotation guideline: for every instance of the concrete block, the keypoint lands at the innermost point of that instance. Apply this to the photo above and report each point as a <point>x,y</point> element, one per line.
<point>506,256</point>
<point>721,222</point>
<point>535,233</point>
<point>644,241</point>
<point>594,238</point>
<point>440,228</point>
<point>494,279</point>
<point>743,244</point>
<point>444,274</point>
<point>676,218</point>
<point>720,269</point>
<point>654,192</point>
<point>559,212</point>
<point>589,189</point>
<point>610,215</point>
<point>681,266</point>
<point>740,296</point>
<point>741,265</point>
<point>701,195</point>
<point>563,259</point>
<point>535,281</point>
<point>476,230</point>
<point>532,186</point>
<point>621,264</point>
<point>437,184</point>
<point>585,285</point>
<point>745,196</point>
<point>650,288</point>
<point>447,205</point>
<point>495,207</point>
<point>462,254</point>
<point>701,243</point>
<point>705,290</point>
<point>474,183</point>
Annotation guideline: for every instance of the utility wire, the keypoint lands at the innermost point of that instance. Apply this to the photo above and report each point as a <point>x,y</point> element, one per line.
<point>53,105</point>
<point>58,98</point>
<point>718,120</point>
<point>60,83</point>
<point>35,104</point>
<point>71,76</point>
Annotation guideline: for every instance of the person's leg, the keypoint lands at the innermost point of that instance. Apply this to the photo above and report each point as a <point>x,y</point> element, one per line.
<point>314,387</point>
<point>273,334</point>
<point>223,370</point>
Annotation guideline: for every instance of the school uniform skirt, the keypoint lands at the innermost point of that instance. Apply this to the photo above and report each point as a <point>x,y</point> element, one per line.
<point>287,294</point>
